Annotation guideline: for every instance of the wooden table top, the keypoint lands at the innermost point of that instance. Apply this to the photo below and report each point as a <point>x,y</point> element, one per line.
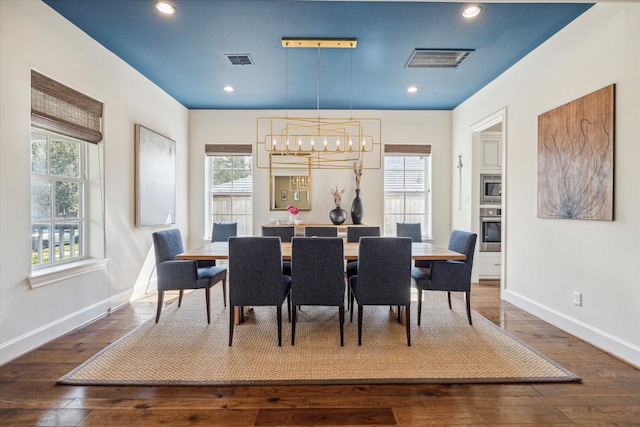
<point>419,251</point>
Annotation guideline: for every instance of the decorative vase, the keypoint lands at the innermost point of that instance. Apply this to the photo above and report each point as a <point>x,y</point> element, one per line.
<point>292,218</point>
<point>338,215</point>
<point>357,209</point>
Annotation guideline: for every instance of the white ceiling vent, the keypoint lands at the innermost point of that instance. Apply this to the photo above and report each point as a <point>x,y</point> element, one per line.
<point>240,59</point>
<point>429,58</point>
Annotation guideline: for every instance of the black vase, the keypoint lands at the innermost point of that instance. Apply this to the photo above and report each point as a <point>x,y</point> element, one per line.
<point>357,209</point>
<point>338,215</point>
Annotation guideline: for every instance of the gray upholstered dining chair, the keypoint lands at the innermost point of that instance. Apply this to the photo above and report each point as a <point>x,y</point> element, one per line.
<point>317,276</point>
<point>413,230</point>
<point>320,231</point>
<point>384,277</point>
<point>220,232</point>
<point>286,233</point>
<point>409,229</point>
<point>255,277</point>
<point>449,276</point>
<point>353,235</point>
<point>182,274</point>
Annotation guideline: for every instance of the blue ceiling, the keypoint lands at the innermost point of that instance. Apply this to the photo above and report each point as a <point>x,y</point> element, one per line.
<point>184,53</point>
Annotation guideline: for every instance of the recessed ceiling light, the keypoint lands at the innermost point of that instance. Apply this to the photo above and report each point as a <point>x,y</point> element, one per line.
<point>228,88</point>
<point>412,89</point>
<point>471,11</point>
<point>165,7</point>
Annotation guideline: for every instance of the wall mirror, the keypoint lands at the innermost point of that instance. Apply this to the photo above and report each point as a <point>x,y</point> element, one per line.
<point>290,182</point>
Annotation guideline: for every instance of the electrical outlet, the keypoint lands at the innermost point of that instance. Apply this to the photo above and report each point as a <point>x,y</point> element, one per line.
<point>577,299</point>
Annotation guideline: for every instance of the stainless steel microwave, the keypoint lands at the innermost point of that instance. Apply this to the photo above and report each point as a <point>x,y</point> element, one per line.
<point>490,189</point>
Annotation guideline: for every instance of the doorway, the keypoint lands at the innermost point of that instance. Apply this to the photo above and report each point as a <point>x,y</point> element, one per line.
<point>488,148</point>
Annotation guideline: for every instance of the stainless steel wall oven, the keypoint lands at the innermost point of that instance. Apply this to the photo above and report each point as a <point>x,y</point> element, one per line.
<point>490,230</point>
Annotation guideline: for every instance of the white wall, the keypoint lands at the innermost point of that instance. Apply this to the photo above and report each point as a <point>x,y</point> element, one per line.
<point>34,36</point>
<point>398,127</point>
<point>547,260</point>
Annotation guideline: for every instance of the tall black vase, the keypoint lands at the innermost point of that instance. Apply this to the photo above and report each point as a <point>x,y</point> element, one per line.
<point>357,209</point>
<point>338,215</point>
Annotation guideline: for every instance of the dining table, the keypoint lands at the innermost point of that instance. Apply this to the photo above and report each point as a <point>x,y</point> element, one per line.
<point>220,251</point>
<point>419,251</point>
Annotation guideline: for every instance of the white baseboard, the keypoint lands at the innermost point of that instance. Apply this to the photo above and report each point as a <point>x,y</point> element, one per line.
<point>594,336</point>
<point>143,289</point>
<point>42,335</point>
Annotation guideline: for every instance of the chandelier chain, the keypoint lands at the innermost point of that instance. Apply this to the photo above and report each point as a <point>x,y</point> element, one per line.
<point>351,84</point>
<point>318,85</point>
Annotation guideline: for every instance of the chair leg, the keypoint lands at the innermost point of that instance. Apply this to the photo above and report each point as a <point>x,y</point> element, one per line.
<point>467,297</point>
<point>419,305</point>
<point>232,310</point>
<point>289,307</point>
<point>449,299</point>
<point>279,315</point>
<point>348,296</point>
<point>360,312</point>
<point>160,301</point>
<point>224,291</point>
<point>407,313</point>
<point>207,296</point>
<point>341,315</point>
<point>180,297</point>
<point>351,307</point>
<point>294,314</point>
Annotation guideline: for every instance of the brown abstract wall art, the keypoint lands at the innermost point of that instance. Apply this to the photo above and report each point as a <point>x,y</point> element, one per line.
<point>575,158</point>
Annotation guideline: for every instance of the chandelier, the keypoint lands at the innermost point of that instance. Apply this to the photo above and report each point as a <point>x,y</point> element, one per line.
<point>319,142</point>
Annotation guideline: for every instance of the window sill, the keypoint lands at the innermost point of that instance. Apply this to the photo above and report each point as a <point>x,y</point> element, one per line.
<point>58,273</point>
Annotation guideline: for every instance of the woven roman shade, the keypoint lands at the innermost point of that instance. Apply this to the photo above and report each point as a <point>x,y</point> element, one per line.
<point>227,149</point>
<point>58,108</point>
<point>404,149</point>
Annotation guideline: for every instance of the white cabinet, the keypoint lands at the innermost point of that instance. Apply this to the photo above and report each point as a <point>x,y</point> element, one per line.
<point>487,161</point>
<point>491,143</point>
<point>488,265</point>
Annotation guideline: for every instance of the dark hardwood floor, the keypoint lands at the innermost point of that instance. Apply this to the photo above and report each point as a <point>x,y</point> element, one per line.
<point>608,395</point>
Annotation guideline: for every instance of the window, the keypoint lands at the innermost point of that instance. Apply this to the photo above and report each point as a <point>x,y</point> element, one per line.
<point>407,189</point>
<point>230,188</point>
<point>58,182</point>
<point>66,182</point>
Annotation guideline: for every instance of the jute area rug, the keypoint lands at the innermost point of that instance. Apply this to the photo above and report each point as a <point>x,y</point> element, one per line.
<point>182,349</point>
